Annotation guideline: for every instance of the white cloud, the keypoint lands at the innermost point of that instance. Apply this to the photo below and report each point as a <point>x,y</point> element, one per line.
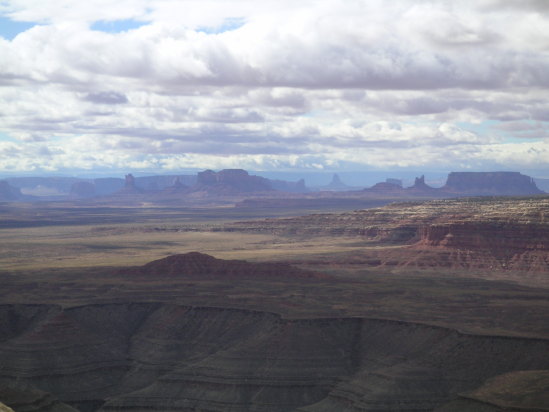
<point>291,85</point>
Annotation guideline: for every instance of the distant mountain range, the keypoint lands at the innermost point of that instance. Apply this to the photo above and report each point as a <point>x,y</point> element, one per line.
<point>238,182</point>
<point>467,184</point>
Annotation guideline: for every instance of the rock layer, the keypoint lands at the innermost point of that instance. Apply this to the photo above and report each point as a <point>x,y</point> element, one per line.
<point>491,183</point>
<point>200,265</point>
<point>137,357</point>
<point>478,233</point>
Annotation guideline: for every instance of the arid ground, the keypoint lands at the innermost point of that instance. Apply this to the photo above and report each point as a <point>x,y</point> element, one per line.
<point>425,280</point>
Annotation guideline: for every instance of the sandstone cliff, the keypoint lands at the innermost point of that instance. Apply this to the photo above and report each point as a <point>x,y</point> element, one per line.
<point>485,233</point>
<point>82,189</point>
<point>491,183</point>
<point>9,193</point>
<point>230,181</point>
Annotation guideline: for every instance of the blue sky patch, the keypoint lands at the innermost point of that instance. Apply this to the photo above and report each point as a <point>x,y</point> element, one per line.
<point>230,24</point>
<point>6,138</point>
<point>117,26</point>
<point>9,28</point>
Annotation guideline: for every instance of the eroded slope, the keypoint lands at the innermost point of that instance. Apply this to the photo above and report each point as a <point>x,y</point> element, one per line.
<point>484,233</point>
<point>146,356</point>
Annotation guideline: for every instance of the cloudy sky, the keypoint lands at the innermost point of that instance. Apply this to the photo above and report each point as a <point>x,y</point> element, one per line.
<point>166,85</point>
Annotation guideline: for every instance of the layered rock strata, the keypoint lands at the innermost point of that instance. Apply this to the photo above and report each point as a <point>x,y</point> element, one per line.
<point>143,357</point>
<point>480,233</point>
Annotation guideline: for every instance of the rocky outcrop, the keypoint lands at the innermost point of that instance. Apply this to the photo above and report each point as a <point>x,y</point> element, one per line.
<point>4,408</point>
<point>200,265</point>
<point>464,184</point>
<point>177,188</point>
<point>24,398</point>
<point>291,187</point>
<point>230,181</point>
<point>82,189</point>
<point>520,390</point>
<point>129,190</point>
<point>421,187</point>
<point>489,234</point>
<point>387,188</point>
<point>505,237</point>
<point>419,367</point>
<point>336,184</point>
<point>491,183</point>
<point>149,356</point>
<point>490,245</point>
<point>9,193</point>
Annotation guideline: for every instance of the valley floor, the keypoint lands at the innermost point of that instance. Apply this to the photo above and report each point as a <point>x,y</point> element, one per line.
<point>425,308</point>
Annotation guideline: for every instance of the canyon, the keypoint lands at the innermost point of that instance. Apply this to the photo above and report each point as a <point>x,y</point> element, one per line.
<point>149,356</point>
<point>436,305</point>
<point>494,234</point>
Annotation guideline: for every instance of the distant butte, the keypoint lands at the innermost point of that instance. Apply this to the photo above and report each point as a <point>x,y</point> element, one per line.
<point>491,183</point>
<point>230,181</point>
<point>8,192</point>
<point>195,264</point>
<point>466,184</point>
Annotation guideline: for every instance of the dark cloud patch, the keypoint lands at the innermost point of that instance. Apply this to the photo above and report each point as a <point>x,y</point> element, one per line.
<point>419,106</point>
<point>236,115</point>
<point>94,113</point>
<point>524,129</point>
<point>540,6</point>
<point>291,98</point>
<point>109,97</point>
<point>517,126</point>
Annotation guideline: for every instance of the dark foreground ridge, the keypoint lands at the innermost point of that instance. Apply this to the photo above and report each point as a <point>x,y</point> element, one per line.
<point>151,356</point>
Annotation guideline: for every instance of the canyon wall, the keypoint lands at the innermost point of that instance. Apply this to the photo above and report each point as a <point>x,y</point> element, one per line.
<point>149,356</point>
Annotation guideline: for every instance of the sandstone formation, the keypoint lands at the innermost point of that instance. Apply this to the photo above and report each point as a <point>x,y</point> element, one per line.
<point>151,356</point>
<point>200,265</point>
<point>177,188</point>
<point>484,233</point>
<point>9,193</point>
<point>290,187</point>
<point>230,181</point>
<point>25,398</point>
<point>522,390</point>
<point>542,184</point>
<point>128,193</point>
<point>465,184</point>
<point>4,408</point>
<point>229,186</point>
<point>108,185</point>
<point>82,189</point>
<point>491,183</point>
<point>335,185</point>
<point>387,188</point>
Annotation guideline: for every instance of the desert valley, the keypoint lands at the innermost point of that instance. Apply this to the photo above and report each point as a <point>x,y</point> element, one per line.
<point>274,206</point>
<point>231,292</point>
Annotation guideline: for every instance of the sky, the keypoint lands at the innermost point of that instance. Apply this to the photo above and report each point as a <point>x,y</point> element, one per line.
<point>162,86</point>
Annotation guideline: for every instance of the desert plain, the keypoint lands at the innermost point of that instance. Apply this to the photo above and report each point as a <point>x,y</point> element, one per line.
<point>416,305</point>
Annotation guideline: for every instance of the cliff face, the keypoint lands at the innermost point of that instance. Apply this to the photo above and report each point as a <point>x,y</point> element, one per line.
<point>483,233</point>
<point>491,183</point>
<point>230,181</point>
<point>82,189</point>
<point>504,237</point>
<point>8,192</point>
<point>148,356</point>
<point>482,245</point>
